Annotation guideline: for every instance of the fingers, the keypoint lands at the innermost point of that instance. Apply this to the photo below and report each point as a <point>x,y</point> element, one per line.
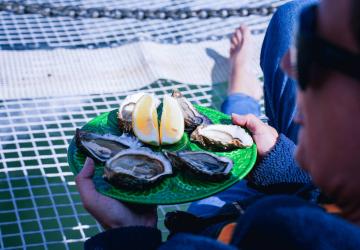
<point>250,121</point>
<point>110,213</point>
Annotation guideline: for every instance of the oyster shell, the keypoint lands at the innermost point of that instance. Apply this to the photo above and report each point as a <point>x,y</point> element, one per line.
<point>201,164</point>
<point>192,117</point>
<point>125,111</point>
<point>219,137</point>
<point>137,168</point>
<point>103,147</point>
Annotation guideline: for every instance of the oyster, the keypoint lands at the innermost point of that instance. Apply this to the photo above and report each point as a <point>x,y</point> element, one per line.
<point>192,117</point>
<point>137,168</point>
<point>219,137</point>
<point>201,164</point>
<point>103,147</point>
<point>125,111</point>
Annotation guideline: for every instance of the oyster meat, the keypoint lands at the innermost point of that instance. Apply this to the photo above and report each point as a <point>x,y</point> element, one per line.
<point>201,164</point>
<point>219,137</point>
<point>103,147</point>
<point>192,117</point>
<point>137,168</point>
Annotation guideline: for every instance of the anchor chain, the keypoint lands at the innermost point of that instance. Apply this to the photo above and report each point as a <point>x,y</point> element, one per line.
<point>50,10</point>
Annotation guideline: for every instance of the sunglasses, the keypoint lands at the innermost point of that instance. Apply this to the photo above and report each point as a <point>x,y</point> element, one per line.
<point>311,48</point>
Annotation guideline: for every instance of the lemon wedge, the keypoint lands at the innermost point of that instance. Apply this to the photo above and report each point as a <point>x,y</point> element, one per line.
<point>172,121</point>
<point>145,120</point>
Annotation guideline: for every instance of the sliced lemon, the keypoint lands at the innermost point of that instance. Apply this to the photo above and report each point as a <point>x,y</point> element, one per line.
<point>145,120</point>
<point>172,121</point>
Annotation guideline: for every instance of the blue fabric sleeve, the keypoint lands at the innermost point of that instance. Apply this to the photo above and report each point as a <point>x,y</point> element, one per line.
<point>287,222</point>
<point>240,104</point>
<point>140,238</point>
<point>126,238</point>
<point>193,242</point>
<point>279,167</point>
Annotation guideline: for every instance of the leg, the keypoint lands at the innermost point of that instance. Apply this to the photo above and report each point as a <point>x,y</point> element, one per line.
<point>279,89</point>
<point>241,104</point>
<point>244,87</point>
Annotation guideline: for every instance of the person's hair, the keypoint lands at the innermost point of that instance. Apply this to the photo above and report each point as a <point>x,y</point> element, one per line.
<point>355,21</point>
<point>319,73</point>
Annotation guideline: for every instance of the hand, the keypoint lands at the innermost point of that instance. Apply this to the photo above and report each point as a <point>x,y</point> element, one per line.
<point>110,213</point>
<point>264,135</point>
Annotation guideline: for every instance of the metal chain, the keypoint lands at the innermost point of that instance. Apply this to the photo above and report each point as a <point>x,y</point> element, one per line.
<point>49,10</point>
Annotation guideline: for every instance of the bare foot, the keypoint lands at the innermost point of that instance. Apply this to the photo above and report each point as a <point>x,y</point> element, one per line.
<point>241,78</point>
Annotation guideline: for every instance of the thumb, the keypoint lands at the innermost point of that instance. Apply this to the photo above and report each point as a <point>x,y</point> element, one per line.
<point>250,121</point>
<point>88,170</point>
<point>90,198</point>
<point>84,180</point>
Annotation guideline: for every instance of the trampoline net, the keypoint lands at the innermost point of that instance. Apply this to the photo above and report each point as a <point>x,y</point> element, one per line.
<point>39,204</point>
<point>34,31</point>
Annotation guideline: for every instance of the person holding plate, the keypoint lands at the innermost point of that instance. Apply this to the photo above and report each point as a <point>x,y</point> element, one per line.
<point>278,207</point>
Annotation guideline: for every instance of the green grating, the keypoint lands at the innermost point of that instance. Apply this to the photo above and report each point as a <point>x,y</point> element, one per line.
<point>39,205</point>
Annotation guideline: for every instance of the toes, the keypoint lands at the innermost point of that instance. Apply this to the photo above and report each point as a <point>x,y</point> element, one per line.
<point>238,35</point>
<point>241,35</point>
<point>245,31</point>
<point>233,44</point>
<point>234,41</point>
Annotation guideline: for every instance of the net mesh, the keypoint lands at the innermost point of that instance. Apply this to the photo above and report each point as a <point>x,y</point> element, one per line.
<point>39,205</point>
<point>34,31</point>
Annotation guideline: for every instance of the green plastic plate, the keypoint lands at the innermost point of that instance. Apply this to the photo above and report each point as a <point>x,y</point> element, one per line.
<point>171,190</point>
